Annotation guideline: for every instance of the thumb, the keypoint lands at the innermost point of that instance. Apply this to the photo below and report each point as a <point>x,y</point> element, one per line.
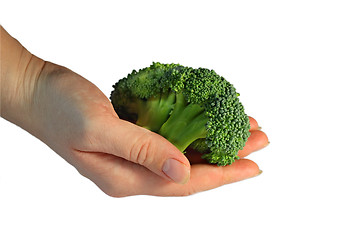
<point>139,145</point>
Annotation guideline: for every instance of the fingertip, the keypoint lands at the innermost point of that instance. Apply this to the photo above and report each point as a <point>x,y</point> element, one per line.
<point>256,141</point>
<point>242,169</point>
<point>246,165</point>
<point>260,138</point>
<point>253,124</point>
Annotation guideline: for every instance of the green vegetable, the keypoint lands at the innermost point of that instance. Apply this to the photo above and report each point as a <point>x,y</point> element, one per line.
<point>194,108</point>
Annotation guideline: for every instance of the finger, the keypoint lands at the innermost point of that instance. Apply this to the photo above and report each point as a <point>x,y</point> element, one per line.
<point>203,177</point>
<point>256,141</point>
<point>119,178</point>
<point>141,146</point>
<point>253,124</point>
<point>206,177</point>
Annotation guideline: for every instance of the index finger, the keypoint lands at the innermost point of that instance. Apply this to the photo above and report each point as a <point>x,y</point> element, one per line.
<point>205,177</point>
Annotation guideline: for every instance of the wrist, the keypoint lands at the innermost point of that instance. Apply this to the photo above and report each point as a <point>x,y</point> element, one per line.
<point>19,101</point>
<point>20,71</point>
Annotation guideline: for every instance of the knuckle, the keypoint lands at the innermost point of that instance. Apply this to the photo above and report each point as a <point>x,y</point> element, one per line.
<point>115,192</point>
<point>186,194</point>
<point>190,191</point>
<point>185,191</point>
<point>141,150</point>
<point>224,179</point>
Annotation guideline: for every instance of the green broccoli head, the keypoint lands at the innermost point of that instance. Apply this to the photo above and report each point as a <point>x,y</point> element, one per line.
<point>190,107</point>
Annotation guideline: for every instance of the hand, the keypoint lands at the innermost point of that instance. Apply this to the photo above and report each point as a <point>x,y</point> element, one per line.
<point>78,122</point>
<point>74,118</point>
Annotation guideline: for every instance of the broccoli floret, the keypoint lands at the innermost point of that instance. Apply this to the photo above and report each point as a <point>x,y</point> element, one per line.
<point>190,107</point>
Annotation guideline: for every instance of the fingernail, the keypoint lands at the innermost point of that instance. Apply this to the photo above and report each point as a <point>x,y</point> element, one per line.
<point>176,171</point>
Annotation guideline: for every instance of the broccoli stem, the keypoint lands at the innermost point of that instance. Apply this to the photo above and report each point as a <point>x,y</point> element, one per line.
<point>185,124</point>
<point>155,111</point>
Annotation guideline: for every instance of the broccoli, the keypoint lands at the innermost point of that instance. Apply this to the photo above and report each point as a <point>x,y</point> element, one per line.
<point>190,107</point>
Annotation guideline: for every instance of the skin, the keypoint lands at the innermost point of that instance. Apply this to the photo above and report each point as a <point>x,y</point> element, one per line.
<point>75,119</point>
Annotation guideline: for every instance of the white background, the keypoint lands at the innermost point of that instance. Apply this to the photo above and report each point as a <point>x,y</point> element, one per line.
<point>280,55</point>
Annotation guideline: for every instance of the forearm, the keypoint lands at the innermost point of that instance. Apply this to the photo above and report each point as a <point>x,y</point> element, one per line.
<point>19,73</point>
